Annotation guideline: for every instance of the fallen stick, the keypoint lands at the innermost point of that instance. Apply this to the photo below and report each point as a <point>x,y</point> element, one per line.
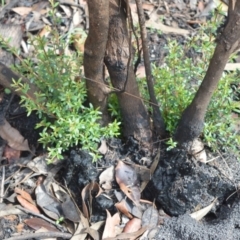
<point>41,235</point>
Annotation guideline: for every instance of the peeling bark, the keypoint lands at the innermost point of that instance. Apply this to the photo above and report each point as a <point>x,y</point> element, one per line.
<point>94,51</point>
<point>135,117</point>
<point>192,120</point>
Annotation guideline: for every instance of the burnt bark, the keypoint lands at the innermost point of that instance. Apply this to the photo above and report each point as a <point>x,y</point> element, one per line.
<point>94,51</point>
<point>192,120</point>
<point>135,117</point>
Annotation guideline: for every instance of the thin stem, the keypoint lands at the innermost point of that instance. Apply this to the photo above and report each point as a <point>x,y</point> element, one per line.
<point>158,121</point>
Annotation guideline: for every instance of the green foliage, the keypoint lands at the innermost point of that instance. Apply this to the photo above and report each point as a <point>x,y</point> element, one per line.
<point>65,120</point>
<point>177,81</point>
<point>171,144</point>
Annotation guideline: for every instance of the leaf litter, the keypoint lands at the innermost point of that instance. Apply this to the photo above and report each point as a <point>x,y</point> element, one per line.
<point>56,204</point>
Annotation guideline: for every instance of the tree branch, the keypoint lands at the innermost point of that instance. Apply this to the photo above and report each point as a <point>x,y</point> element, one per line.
<point>6,80</point>
<point>192,121</point>
<point>158,121</point>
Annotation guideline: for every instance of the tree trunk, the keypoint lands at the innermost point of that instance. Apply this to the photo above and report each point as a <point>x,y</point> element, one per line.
<point>94,51</point>
<point>192,121</point>
<point>135,117</point>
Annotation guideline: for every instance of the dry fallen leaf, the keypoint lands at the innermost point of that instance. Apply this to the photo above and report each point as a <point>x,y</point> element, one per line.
<point>93,233</point>
<point>69,210</point>
<point>83,224</point>
<point>37,223</point>
<point>196,149</point>
<point>122,207</point>
<point>198,215</point>
<point>22,10</point>
<point>111,222</point>
<point>106,178</point>
<point>103,148</point>
<point>11,154</point>
<point>24,194</point>
<point>150,217</point>
<point>27,204</point>
<point>129,236</point>
<point>19,227</point>
<point>48,204</point>
<point>79,234</point>
<point>90,189</point>
<point>13,137</point>
<point>127,180</point>
<point>132,225</point>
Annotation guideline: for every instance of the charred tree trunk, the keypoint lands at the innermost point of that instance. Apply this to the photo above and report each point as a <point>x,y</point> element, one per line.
<point>135,117</point>
<point>192,120</point>
<point>94,51</point>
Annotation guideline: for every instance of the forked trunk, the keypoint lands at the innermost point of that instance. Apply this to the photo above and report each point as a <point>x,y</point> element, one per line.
<point>192,120</point>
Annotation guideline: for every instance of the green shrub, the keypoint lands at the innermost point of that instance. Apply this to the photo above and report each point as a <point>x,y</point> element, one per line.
<point>178,79</point>
<point>65,120</point>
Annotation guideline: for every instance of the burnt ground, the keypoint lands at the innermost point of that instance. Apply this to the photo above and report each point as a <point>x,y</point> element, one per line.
<point>178,186</point>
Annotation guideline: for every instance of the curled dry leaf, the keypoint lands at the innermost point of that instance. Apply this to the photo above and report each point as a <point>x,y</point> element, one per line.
<point>127,180</point>
<point>198,215</point>
<point>13,137</point>
<point>196,148</point>
<point>103,148</point>
<point>89,190</point>
<point>106,178</point>
<point>111,222</point>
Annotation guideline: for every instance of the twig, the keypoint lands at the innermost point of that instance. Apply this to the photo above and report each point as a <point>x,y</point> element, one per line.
<point>41,235</point>
<point>2,184</point>
<point>158,121</point>
<point>116,89</point>
<point>212,159</point>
